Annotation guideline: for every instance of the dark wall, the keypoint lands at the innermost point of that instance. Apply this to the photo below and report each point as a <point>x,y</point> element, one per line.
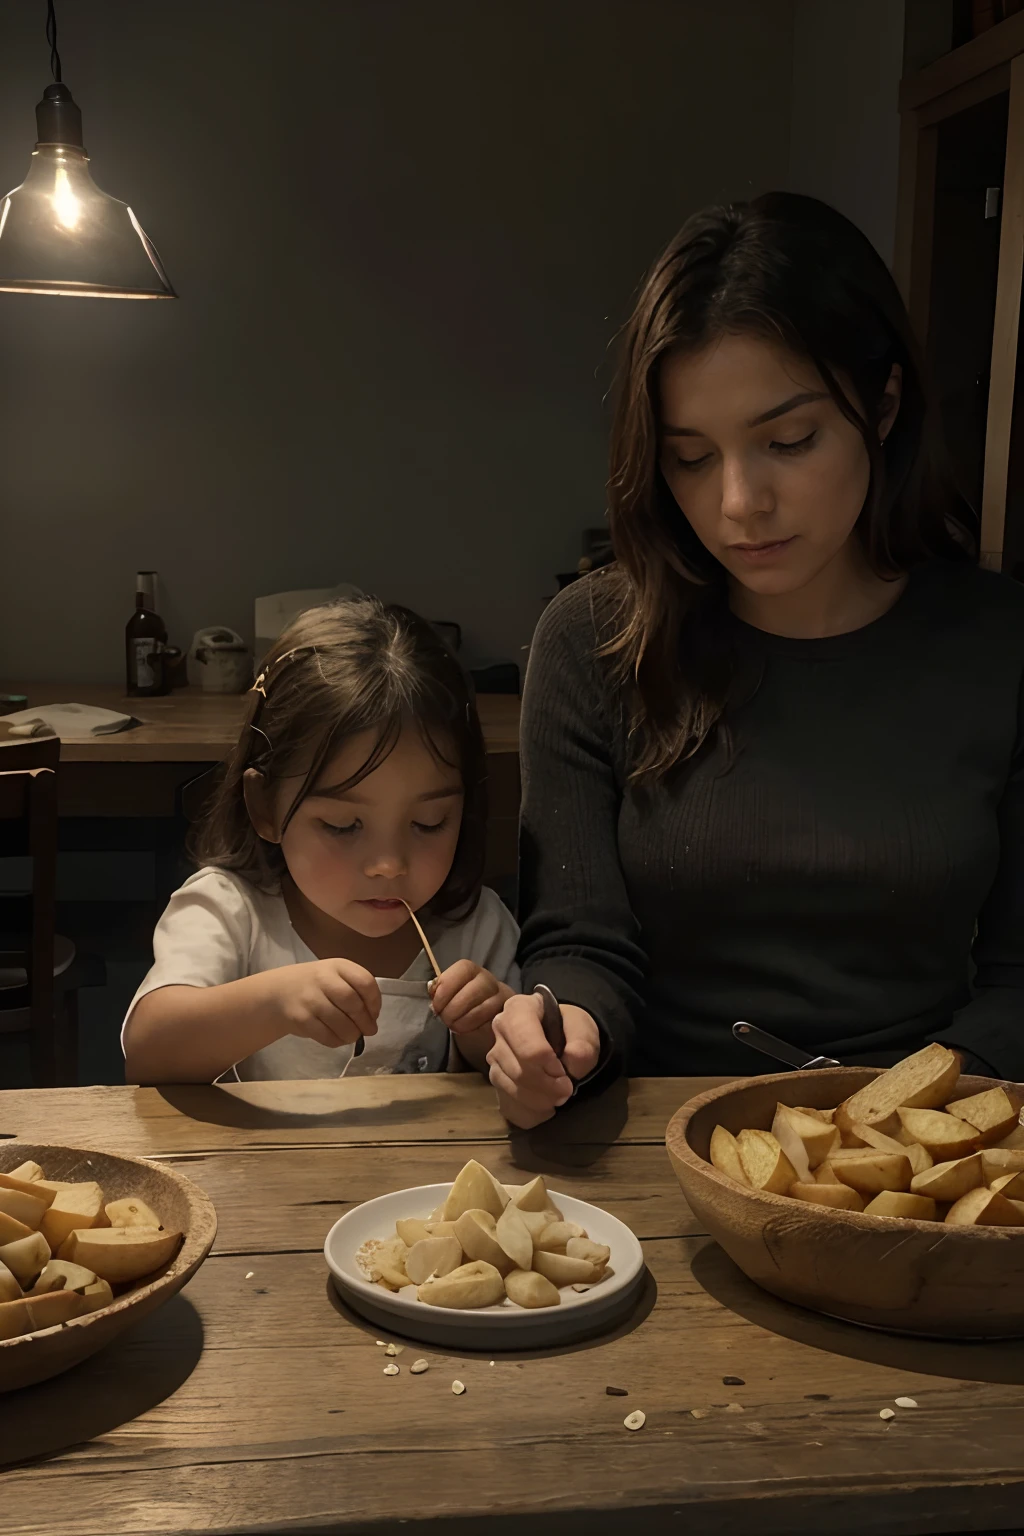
<point>403,234</point>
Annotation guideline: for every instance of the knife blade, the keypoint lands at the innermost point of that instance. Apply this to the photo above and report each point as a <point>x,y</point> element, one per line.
<point>551,1019</point>
<point>779,1050</point>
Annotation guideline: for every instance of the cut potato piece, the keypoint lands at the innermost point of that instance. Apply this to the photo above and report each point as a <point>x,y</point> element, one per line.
<point>765,1164</point>
<point>97,1296</point>
<point>949,1181</point>
<point>432,1256</point>
<point>513,1237</point>
<point>15,1318</point>
<point>475,1190</point>
<point>944,1136</point>
<point>11,1230</point>
<point>869,1172</point>
<point>725,1155</point>
<point>73,1210</point>
<point>533,1196</point>
<point>869,1137</point>
<point>25,1258</point>
<point>1010,1185</point>
<point>123,1254</point>
<point>789,1140</point>
<point>984,1208</point>
<point>411,1230</point>
<point>33,1313</point>
<point>10,1285</point>
<point>50,1280</point>
<point>994,1113</point>
<point>840,1197</point>
<point>814,1114</point>
<point>817,1135</point>
<point>27,1209</point>
<point>562,1270</point>
<point>826,1174</point>
<point>1015,1138</point>
<point>132,1212</point>
<point>997,1160</point>
<point>537,1222</point>
<point>387,1261</point>
<point>75,1277</point>
<point>556,1236</point>
<point>472,1285</point>
<point>893,1202</point>
<point>440,1228</point>
<point>32,1187</point>
<point>27,1171</point>
<point>528,1289</point>
<point>585,1248</point>
<point>476,1231</point>
<point>922,1081</point>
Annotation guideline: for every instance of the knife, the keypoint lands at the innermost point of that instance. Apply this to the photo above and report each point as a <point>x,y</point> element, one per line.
<point>395,986</point>
<point>779,1050</point>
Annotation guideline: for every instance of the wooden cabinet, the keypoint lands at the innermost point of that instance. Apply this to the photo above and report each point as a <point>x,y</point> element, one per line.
<point>960,262</point>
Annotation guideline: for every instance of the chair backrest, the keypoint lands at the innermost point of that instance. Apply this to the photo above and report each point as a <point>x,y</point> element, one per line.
<point>28,824</point>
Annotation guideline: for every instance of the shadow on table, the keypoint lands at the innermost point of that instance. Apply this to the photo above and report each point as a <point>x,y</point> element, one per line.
<point>641,1310</point>
<point>135,1373</point>
<point>577,1137</point>
<point>998,1360</point>
<point>210,1106</point>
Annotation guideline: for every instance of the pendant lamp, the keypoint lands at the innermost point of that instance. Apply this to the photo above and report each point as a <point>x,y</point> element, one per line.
<point>59,233</point>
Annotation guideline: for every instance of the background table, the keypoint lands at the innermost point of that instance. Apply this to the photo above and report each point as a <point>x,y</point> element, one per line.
<point>254,1403</point>
<point>141,773</point>
<point>182,730</point>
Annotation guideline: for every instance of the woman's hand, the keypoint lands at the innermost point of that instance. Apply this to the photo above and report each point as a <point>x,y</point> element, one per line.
<point>467,998</point>
<point>333,1002</point>
<point>530,1080</point>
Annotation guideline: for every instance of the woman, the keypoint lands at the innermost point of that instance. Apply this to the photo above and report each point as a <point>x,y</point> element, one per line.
<point>773,761</point>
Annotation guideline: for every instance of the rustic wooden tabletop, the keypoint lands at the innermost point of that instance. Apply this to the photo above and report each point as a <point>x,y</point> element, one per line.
<point>253,1403</point>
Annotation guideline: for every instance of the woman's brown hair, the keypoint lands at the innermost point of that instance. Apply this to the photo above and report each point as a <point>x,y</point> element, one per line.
<point>340,670</point>
<point>796,273</point>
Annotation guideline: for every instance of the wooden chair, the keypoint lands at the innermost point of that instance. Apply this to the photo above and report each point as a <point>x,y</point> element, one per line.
<point>39,970</point>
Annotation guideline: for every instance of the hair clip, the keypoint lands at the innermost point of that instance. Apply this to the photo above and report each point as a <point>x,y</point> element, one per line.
<point>260,685</point>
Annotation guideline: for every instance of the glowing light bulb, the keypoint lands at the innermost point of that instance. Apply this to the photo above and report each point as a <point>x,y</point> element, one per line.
<point>60,234</point>
<point>65,204</point>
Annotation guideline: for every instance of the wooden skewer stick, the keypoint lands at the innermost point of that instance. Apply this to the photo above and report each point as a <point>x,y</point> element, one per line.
<point>423,940</point>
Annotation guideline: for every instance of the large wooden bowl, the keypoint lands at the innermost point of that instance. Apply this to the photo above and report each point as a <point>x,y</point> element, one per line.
<point>919,1277</point>
<point>179,1204</point>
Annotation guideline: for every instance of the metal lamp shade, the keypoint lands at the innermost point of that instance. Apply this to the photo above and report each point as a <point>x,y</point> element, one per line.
<point>60,234</point>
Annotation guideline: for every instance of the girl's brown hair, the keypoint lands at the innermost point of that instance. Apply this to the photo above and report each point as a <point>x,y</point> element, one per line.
<point>796,273</point>
<point>340,670</point>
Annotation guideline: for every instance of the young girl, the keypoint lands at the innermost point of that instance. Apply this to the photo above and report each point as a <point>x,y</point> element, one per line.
<point>356,792</point>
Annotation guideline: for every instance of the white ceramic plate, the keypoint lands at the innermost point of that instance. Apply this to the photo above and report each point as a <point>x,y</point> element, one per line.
<point>580,1315</point>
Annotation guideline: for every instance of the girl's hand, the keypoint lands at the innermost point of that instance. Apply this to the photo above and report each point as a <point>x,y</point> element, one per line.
<point>530,1079</point>
<point>333,1002</point>
<point>466,997</point>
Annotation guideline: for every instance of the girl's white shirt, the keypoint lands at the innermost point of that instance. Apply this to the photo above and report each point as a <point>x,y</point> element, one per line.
<point>219,928</point>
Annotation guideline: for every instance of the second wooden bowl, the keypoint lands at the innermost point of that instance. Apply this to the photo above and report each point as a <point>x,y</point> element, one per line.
<point>917,1277</point>
<point>181,1206</point>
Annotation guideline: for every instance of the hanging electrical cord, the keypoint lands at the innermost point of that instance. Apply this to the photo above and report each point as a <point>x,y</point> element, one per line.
<point>51,38</point>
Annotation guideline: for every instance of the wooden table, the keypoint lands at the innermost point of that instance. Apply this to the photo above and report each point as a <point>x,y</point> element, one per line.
<point>252,1403</point>
<point>141,772</point>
